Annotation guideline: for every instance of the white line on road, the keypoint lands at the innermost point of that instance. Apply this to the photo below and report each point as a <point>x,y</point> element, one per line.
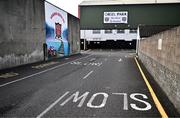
<point>120,60</point>
<point>99,64</point>
<point>87,74</point>
<point>125,99</point>
<point>51,106</point>
<point>42,71</point>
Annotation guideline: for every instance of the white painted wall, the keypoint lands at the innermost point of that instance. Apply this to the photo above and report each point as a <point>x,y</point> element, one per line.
<point>89,36</point>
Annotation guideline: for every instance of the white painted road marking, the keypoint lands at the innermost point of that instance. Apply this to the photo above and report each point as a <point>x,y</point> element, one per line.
<point>85,64</point>
<point>120,60</point>
<point>52,105</point>
<point>125,99</point>
<point>76,62</point>
<point>93,59</point>
<point>89,64</point>
<point>87,74</point>
<point>135,98</point>
<point>95,64</point>
<point>42,72</point>
<point>99,64</point>
<point>134,106</point>
<point>89,104</point>
<point>76,98</point>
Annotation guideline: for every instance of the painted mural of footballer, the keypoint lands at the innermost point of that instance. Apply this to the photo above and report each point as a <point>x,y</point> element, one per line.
<point>58,31</point>
<point>58,36</point>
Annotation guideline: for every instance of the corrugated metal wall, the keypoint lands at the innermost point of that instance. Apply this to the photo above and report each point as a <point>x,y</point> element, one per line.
<point>149,14</point>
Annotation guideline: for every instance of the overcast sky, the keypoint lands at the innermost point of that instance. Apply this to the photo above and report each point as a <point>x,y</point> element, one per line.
<point>71,6</point>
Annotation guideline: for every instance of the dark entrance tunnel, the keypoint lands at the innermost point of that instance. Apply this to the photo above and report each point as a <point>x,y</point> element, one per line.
<point>110,44</point>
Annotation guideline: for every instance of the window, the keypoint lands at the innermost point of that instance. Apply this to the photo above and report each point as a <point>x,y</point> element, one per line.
<point>120,31</point>
<point>132,31</point>
<point>108,31</point>
<point>96,31</point>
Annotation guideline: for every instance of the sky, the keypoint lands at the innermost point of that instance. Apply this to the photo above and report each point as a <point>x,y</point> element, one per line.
<point>71,6</point>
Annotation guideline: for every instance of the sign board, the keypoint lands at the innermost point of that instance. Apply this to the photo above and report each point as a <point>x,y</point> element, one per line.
<point>116,17</point>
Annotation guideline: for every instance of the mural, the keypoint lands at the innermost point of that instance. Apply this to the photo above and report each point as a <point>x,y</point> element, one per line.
<point>56,31</point>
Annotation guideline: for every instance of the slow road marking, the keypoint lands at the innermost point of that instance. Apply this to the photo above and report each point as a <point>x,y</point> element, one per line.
<point>86,99</point>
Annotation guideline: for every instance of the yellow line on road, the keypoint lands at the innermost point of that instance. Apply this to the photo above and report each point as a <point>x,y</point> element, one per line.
<point>156,101</point>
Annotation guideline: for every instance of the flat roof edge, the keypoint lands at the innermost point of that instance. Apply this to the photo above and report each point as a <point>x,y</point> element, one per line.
<point>109,4</point>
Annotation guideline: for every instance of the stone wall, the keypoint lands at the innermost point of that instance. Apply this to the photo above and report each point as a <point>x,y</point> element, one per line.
<point>163,61</point>
<point>22,27</point>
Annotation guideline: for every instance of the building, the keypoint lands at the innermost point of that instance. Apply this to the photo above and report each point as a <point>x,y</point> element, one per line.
<point>109,39</point>
<point>119,15</point>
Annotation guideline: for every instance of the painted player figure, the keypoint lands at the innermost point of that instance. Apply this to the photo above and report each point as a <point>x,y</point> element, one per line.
<point>58,36</point>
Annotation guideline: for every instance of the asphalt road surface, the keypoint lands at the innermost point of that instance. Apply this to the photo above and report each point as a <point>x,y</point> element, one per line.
<point>96,83</point>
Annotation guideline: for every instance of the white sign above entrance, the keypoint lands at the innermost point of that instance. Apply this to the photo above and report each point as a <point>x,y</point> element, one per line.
<point>116,17</point>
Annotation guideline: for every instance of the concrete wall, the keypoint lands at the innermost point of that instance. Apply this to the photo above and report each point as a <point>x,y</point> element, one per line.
<point>74,34</point>
<point>164,63</point>
<point>22,30</point>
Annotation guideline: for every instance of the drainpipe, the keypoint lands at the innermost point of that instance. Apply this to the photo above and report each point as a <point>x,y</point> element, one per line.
<point>84,40</point>
<point>138,41</point>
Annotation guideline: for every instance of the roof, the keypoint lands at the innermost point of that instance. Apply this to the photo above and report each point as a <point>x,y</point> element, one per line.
<point>122,2</point>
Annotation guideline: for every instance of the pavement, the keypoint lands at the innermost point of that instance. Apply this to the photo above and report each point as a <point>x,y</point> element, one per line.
<point>95,83</point>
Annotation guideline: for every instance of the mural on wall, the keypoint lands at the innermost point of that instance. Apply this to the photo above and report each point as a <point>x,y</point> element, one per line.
<point>56,31</point>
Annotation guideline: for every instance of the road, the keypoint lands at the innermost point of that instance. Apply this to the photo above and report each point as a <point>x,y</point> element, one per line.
<point>98,83</point>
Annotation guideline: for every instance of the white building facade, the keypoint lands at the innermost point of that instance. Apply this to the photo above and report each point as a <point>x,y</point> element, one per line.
<point>104,35</point>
